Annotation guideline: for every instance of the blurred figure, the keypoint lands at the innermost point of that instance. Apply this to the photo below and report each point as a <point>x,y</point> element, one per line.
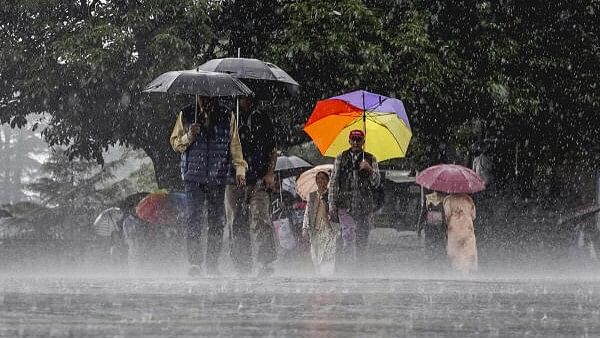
<point>432,221</point>
<point>322,233</point>
<point>119,249</point>
<point>355,174</point>
<point>247,202</point>
<point>459,210</point>
<point>482,163</point>
<point>140,238</point>
<point>202,136</point>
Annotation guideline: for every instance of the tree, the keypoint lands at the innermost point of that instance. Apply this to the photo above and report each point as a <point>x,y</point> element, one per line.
<point>85,63</point>
<point>334,47</point>
<point>523,74</point>
<point>531,66</point>
<point>73,192</point>
<point>20,152</point>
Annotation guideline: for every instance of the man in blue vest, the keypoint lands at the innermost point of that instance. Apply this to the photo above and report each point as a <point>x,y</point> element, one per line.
<point>354,176</point>
<point>247,202</point>
<point>202,136</point>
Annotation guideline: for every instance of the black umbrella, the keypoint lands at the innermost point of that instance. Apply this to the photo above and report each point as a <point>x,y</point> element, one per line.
<point>288,166</point>
<point>197,82</point>
<point>263,77</point>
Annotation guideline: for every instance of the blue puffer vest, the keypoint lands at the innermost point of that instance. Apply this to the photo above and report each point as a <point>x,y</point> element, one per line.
<point>207,160</point>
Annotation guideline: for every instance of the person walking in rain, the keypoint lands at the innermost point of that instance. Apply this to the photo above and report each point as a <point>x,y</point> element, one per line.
<point>459,210</point>
<point>322,233</point>
<point>355,174</point>
<point>247,202</point>
<point>202,138</point>
<point>432,221</point>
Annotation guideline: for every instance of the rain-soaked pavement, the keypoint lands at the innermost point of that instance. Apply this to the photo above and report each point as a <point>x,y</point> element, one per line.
<point>391,304</point>
<point>63,307</point>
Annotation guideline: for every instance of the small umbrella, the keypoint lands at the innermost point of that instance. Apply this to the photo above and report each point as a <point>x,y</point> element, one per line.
<point>451,178</point>
<point>107,221</point>
<point>288,166</point>
<point>157,208</point>
<point>306,182</point>
<point>383,119</point>
<point>260,75</point>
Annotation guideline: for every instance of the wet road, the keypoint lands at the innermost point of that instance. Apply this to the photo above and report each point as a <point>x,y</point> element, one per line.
<point>303,307</point>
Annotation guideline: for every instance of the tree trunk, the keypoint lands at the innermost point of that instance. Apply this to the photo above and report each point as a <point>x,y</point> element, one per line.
<point>166,166</point>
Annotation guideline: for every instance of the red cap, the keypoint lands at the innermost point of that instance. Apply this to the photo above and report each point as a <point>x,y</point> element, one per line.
<point>356,133</point>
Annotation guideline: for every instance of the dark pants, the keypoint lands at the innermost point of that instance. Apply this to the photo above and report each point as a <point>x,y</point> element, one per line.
<point>201,199</point>
<point>140,242</point>
<point>355,239</point>
<point>435,246</point>
<point>250,226</point>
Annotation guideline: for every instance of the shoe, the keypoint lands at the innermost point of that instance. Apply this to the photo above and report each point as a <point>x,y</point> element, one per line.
<point>195,271</point>
<point>265,271</point>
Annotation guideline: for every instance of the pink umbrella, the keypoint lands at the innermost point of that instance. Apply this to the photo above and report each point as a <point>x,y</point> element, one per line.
<point>451,178</point>
<point>305,184</point>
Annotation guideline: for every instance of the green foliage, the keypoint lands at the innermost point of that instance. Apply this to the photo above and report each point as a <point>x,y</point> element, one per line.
<point>73,192</point>
<point>20,152</point>
<point>86,62</point>
<point>522,74</point>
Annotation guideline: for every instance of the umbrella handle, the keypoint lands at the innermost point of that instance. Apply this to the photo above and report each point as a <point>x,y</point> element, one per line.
<point>364,118</point>
<point>196,111</point>
<point>280,191</point>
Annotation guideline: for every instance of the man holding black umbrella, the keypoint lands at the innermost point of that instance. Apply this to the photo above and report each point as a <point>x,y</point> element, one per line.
<point>247,202</point>
<point>202,136</point>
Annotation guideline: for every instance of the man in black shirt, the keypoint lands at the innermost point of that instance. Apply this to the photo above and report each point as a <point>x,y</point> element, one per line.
<point>247,203</point>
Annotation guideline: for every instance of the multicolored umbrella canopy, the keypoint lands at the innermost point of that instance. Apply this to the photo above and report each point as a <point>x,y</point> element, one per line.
<point>383,119</point>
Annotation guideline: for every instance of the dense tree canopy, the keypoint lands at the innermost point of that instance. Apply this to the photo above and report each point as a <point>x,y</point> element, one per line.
<point>85,63</point>
<point>522,75</point>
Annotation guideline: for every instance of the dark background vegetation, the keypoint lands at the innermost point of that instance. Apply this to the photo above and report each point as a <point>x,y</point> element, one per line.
<point>521,75</point>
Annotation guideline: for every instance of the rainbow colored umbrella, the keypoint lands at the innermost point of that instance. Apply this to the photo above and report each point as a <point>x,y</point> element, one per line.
<point>383,119</point>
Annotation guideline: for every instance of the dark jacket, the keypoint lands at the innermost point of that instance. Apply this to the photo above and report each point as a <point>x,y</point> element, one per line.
<point>257,137</point>
<point>352,188</point>
<point>207,160</point>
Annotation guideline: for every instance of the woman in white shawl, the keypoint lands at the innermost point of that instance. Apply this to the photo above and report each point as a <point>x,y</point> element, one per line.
<point>322,233</point>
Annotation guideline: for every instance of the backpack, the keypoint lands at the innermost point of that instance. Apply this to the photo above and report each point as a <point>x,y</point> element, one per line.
<point>434,214</point>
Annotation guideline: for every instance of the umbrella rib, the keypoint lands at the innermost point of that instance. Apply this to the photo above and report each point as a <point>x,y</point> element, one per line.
<point>379,113</point>
<point>377,105</point>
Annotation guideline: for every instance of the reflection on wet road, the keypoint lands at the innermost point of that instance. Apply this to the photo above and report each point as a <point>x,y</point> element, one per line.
<point>297,307</point>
